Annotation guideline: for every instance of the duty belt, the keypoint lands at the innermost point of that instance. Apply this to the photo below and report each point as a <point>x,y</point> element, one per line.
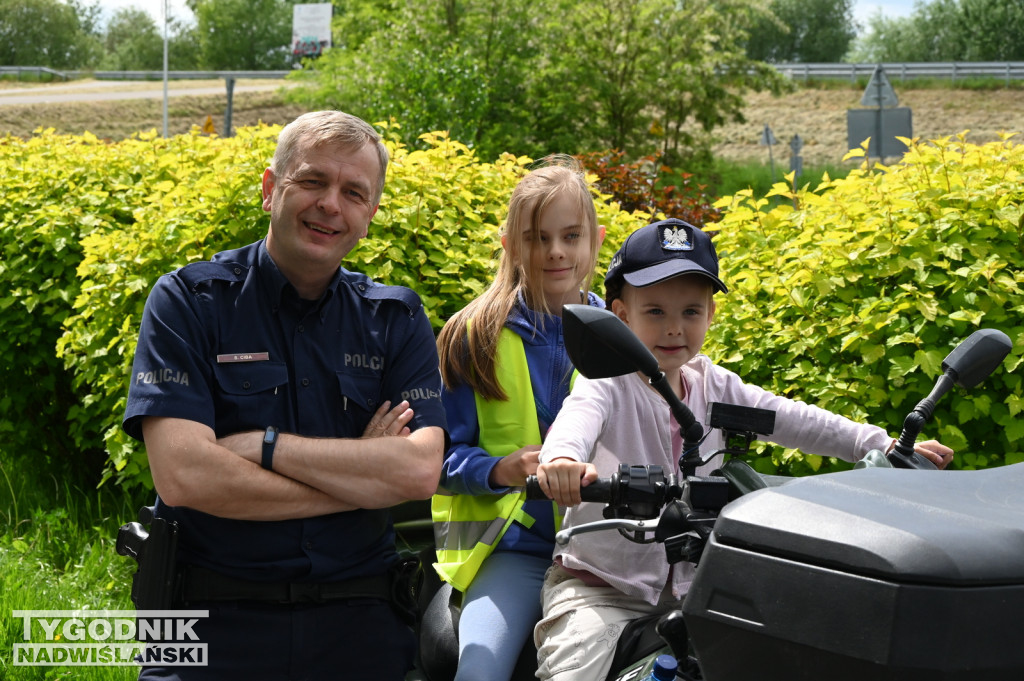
<point>200,584</point>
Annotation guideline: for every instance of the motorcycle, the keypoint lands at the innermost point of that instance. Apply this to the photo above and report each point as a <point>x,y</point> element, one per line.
<point>841,576</point>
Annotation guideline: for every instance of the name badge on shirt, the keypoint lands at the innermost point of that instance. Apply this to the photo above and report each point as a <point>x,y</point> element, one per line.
<point>236,357</point>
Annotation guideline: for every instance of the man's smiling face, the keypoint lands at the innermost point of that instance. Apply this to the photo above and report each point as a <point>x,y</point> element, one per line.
<point>320,208</point>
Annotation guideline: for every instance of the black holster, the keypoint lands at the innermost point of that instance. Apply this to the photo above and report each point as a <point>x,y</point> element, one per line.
<point>406,577</point>
<point>155,550</point>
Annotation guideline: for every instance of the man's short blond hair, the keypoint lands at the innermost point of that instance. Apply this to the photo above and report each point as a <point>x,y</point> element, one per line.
<point>329,128</point>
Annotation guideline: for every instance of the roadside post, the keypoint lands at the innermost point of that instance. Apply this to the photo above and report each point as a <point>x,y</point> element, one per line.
<point>768,139</point>
<point>883,124</point>
<point>796,162</point>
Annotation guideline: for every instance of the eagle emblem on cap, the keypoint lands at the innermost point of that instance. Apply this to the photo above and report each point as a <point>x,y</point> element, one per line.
<point>676,239</point>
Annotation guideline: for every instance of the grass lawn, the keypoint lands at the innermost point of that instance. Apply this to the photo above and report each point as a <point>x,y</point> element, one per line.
<point>57,553</point>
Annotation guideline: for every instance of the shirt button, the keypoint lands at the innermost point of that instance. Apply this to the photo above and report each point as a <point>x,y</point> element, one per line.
<point>308,545</point>
<point>238,270</point>
<point>301,328</point>
<point>305,383</point>
<point>246,385</point>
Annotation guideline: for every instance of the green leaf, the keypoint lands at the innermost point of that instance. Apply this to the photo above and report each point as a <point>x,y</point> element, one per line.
<point>1014,430</point>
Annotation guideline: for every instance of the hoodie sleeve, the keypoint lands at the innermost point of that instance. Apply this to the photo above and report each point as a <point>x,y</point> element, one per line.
<point>798,425</point>
<point>580,422</point>
<point>467,467</point>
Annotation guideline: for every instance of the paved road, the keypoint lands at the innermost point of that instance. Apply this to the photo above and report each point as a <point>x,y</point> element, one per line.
<point>110,90</point>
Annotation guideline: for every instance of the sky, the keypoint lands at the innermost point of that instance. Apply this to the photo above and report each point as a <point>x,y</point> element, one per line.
<point>862,9</point>
<point>175,8</point>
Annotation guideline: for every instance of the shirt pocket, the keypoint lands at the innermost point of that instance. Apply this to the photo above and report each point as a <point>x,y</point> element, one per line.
<point>360,394</point>
<point>248,391</point>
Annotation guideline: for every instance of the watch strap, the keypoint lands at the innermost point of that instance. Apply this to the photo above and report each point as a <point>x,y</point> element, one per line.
<point>269,443</point>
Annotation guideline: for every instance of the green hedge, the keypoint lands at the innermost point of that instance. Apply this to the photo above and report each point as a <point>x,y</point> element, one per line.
<point>87,227</point>
<point>852,299</point>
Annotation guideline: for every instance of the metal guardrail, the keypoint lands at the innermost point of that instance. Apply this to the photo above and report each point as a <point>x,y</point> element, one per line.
<point>173,75</point>
<point>954,71</point>
<point>37,70</point>
<point>1009,71</point>
<point>185,75</point>
<point>229,78</point>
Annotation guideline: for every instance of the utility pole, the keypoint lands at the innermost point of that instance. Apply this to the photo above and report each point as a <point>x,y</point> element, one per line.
<point>165,68</point>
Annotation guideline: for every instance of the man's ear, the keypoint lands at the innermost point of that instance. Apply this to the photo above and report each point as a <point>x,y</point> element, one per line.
<point>619,309</point>
<point>711,311</point>
<point>268,188</point>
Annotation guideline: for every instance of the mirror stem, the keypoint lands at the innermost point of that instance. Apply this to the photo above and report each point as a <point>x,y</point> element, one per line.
<point>903,454</point>
<point>691,430</point>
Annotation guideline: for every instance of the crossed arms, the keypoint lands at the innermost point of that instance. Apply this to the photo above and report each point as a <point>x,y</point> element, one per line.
<point>310,476</point>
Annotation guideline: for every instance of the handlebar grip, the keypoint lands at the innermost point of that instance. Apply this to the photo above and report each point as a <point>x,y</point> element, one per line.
<point>599,491</point>
<point>533,490</point>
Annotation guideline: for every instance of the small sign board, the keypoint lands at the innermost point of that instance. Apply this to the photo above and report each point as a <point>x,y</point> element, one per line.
<point>311,29</point>
<point>879,91</point>
<point>796,144</point>
<point>879,124</point>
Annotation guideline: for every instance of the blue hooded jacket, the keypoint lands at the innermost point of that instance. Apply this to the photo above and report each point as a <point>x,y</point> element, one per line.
<point>467,467</point>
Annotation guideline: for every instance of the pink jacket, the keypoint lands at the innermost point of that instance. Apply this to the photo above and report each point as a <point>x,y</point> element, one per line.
<point>622,420</point>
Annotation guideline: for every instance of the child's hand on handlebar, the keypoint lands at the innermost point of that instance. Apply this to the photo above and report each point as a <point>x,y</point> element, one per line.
<point>561,479</point>
<point>933,450</point>
<point>936,452</point>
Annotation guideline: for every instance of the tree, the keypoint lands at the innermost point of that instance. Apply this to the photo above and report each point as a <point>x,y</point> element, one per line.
<point>47,33</point>
<point>183,45</point>
<point>937,33</point>
<point>994,30</point>
<point>947,30</point>
<point>656,73</point>
<point>804,31</point>
<point>356,20</point>
<point>539,76</point>
<point>132,42</point>
<point>243,34</point>
<point>885,40</point>
<point>456,66</point>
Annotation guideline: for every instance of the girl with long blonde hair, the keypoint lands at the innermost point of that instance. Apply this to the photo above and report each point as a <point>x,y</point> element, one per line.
<point>506,373</point>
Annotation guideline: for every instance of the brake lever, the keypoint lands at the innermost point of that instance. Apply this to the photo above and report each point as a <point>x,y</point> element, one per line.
<point>563,536</point>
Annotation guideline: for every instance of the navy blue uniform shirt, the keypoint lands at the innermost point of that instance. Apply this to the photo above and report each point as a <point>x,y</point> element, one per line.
<point>228,343</point>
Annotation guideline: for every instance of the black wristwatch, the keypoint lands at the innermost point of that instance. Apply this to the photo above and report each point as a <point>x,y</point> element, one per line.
<point>269,442</point>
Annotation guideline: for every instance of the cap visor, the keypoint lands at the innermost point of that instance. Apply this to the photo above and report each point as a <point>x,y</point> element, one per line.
<point>668,269</point>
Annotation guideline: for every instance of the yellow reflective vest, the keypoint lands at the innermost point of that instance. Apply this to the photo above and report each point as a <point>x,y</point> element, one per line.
<point>467,527</point>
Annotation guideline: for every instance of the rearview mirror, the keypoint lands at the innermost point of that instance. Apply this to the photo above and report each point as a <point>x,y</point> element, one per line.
<point>976,358</point>
<point>600,345</point>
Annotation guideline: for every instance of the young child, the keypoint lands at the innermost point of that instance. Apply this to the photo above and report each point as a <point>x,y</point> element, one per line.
<point>661,283</point>
<point>506,373</point>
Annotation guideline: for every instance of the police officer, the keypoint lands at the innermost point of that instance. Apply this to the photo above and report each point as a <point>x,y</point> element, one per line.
<point>285,404</point>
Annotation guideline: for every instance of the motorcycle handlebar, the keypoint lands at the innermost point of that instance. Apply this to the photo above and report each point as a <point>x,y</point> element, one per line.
<point>599,491</point>
<point>634,491</point>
